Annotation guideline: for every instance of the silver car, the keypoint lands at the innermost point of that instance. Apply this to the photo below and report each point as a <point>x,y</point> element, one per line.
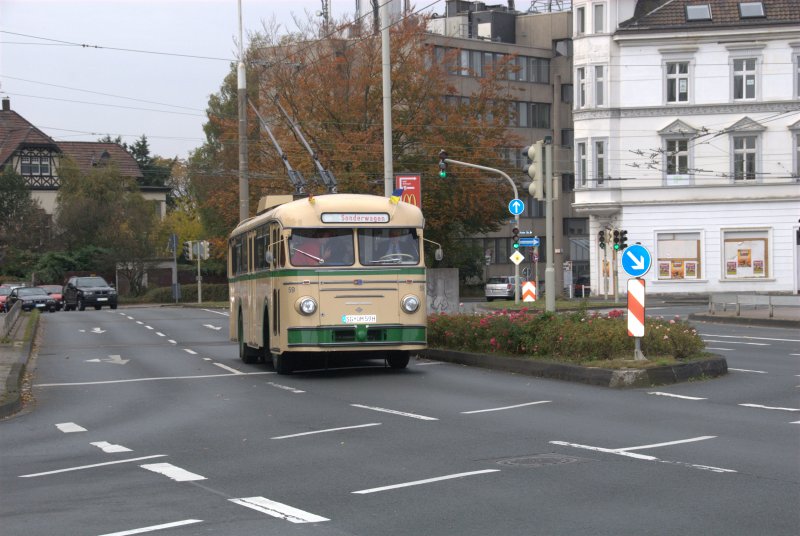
<point>500,288</point>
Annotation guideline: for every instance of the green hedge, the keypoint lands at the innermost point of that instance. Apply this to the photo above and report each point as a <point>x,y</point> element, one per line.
<point>211,293</point>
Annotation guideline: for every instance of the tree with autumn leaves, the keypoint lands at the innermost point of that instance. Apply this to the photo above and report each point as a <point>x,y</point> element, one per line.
<point>332,89</point>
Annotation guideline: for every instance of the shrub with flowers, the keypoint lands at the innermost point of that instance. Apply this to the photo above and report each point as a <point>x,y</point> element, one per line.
<point>575,337</point>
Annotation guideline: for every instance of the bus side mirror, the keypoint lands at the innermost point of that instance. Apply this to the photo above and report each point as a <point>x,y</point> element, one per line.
<point>438,254</point>
<point>268,257</point>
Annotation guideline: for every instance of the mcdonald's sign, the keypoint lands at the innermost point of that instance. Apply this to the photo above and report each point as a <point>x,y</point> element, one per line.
<point>412,188</point>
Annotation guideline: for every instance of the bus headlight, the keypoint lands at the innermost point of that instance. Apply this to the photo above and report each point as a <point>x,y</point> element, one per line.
<point>306,305</point>
<point>410,303</point>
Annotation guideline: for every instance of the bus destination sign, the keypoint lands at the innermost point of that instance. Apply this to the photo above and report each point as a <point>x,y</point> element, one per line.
<point>355,217</point>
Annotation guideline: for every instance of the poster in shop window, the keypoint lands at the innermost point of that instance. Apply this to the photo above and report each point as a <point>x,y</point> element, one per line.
<point>746,258</point>
<point>690,270</point>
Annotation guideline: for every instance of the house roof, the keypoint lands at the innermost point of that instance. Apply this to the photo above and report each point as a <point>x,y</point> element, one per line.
<point>17,132</point>
<point>89,154</point>
<point>671,14</point>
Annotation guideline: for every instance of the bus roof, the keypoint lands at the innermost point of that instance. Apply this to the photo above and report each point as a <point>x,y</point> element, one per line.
<point>339,210</point>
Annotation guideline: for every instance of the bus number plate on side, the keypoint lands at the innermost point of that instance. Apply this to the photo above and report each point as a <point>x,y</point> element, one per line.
<point>359,319</point>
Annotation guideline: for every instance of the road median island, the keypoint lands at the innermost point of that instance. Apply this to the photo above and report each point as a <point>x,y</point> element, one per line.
<point>14,353</point>
<point>697,369</point>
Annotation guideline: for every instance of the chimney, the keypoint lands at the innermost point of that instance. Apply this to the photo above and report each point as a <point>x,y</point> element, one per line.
<point>6,104</point>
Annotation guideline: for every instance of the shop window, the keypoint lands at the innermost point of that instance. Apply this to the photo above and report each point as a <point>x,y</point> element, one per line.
<point>745,254</point>
<point>678,256</point>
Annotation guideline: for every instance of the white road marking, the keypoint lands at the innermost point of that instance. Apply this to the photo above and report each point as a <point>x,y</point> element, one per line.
<point>657,393</point>
<point>172,341</point>
<point>229,369</point>
<point>160,334</point>
<point>506,407</point>
<point>328,430</point>
<point>734,342</point>
<point>108,447</point>
<point>154,527</point>
<point>395,412</point>
<point>129,318</point>
<point>74,384</point>
<point>80,468</point>
<point>149,327</point>
<point>668,443</point>
<point>795,355</point>
<point>70,427</point>
<point>281,511</point>
<point>211,326</point>
<point>140,322</point>
<point>115,359</point>
<point>189,351</point>
<point>171,471</point>
<point>748,337</point>
<point>286,388</point>
<point>747,370</point>
<point>425,363</point>
<point>724,349</point>
<point>426,481</point>
<point>207,359</point>
<point>98,331</point>
<point>217,312</point>
<point>769,407</point>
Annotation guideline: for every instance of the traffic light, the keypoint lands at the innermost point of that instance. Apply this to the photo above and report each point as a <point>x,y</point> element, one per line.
<point>515,237</point>
<point>616,240</point>
<point>601,239</point>
<point>535,169</point>
<point>623,239</point>
<point>205,249</point>
<point>442,165</point>
<point>187,251</point>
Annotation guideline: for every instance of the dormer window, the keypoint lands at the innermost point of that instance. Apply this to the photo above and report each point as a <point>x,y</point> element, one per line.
<point>698,12</point>
<point>751,10</point>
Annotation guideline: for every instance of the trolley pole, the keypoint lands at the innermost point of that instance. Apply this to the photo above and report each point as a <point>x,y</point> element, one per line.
<point>516,216</point>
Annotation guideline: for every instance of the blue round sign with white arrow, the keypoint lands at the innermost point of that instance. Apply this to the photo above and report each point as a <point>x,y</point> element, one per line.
<point>516,207</point>
<point>636,260</point>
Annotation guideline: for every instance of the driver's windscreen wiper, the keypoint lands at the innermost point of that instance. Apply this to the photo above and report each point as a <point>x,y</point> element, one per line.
<point>318,259</point>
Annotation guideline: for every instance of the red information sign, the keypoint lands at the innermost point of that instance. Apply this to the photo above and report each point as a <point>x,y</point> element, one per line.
<point>412,188</point>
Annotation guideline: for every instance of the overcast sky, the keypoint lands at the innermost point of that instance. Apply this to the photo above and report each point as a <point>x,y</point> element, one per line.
<point>83,93</point>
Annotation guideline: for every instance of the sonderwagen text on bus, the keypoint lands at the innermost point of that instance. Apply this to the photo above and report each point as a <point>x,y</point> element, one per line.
<point>339,273</point>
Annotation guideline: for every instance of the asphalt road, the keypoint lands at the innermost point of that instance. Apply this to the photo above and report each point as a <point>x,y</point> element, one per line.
<point>146,422</point>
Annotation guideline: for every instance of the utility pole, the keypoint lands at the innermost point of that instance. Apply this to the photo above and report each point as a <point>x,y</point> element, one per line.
<point>388,168</point>
<point>549,270</point>
<point>241,77</point>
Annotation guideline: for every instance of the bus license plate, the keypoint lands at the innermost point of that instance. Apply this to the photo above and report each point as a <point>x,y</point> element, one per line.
<point>359,319</point>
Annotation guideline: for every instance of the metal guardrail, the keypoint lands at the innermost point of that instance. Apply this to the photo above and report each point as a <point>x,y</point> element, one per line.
<point>9,319</point>
<point>755,300</point>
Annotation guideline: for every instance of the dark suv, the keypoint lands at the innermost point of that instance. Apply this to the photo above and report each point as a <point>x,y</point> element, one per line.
<point>93,291</point>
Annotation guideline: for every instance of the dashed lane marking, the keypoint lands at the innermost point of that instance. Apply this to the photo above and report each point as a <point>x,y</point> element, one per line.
<point>328,430</point>
<point>425,481</point>
<point>74,384</point>
<point>105,446</point>
<point>70,427</point>
<point>395,412</point>
<point>747,370</point>
<point>229,369</point>
<point>172,471</point>
<point>92,466</point>
<point>506,407</point>
<point>279,510</point>
<point>153,528</point>
<point>658,393</point>
<point>759,406</point>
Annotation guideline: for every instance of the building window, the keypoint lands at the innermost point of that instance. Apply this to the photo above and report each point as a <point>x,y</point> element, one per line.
<point>599,17</point>
<point>744,78</point>
<point>678,255</point>
<point>580,168</point>
<point>745,254</point>
<point>581,87</point>
<point>744,158</point>
<point>567,137</point>
<point>566,93</point>
<point>580,21</point>
<point>678,81</point>
<point>599,85</point>
<point>676,157</point>
<point>600,162</point>
<point>698,12</point>
<point>751,10</point>
<point>539,70</point>
<point>540,115</point>
<point>25,165</point>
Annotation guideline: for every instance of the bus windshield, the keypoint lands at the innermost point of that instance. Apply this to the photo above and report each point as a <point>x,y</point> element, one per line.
<point>388,246</point>
<point>322,247</point>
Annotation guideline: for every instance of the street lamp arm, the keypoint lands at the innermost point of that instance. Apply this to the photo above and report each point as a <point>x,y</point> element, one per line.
<point>484,168</point>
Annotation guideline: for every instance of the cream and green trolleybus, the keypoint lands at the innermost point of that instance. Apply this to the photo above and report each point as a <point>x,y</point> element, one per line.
<point>341,274</point>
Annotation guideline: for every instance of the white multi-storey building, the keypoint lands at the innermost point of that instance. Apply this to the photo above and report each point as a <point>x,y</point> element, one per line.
<point>687,136</point>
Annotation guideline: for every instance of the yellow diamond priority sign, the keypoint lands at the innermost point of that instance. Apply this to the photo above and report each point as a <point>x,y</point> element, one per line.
<point>517,257</point>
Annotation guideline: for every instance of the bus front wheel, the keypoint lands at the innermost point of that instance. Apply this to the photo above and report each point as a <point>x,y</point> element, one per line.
<point>281,363</point>
<point>398,360</point>
<point>246,354</point>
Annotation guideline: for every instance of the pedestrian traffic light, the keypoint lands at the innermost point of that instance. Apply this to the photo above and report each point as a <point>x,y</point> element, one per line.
<point>601,239</point>
<point>535,169</point>
<point>187,251</point>
<point>515,237</point>
<point>442,165</point>
<point>616,240</point>
<point>623,239</point>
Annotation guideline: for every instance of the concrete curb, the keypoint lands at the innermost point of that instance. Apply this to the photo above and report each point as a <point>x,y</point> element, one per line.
<point>17,355</point>
<point>694,370</point>
<point>746,320</point>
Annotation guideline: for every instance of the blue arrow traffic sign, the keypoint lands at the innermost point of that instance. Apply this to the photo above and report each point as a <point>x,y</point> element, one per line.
<point>529,241</point>
<point>516,207</point>
<point>636,260</point>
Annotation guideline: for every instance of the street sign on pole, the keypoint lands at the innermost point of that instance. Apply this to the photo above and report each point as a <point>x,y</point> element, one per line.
<point>529,291</point>
<point>636,315</point>
<point>529,241</point>
<point>517,257</point>
<point>636,260</point>
<point>516,207</point>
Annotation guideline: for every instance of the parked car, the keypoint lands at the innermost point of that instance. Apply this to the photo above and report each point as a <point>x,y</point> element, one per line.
<point>56,292</point>
<point>92,290</point>
<point>581,287</point>
<point>32,298</point>
<point>500,287</point>
<point>4,292</point>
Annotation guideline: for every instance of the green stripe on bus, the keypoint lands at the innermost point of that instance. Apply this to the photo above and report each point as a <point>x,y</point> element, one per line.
<point>377,335</point>
<point>326,273</point>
